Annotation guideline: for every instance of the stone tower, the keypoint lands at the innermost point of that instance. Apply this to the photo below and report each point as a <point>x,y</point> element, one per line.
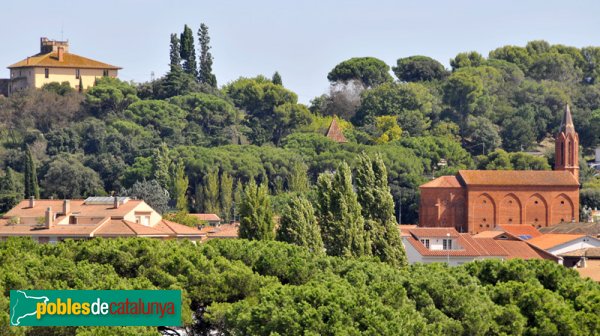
<point>567,146</point>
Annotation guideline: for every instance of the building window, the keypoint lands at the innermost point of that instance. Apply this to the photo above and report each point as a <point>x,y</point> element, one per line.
<point>47,72</point>
<point>425,242</point>
<point>76,73</point>
<point>105,73</point>
<point>447,244</point>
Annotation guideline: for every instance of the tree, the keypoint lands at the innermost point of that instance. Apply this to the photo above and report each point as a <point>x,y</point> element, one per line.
<point>256,216</point>
<point>30,175</point>
<point>210,192</point>
<point>518,134</point>
<point>152,193</point>
<point>205,74</point>
<point>238,193</point>
<point>276,79</point>
<point>299,225</point>
<point>419,68</point>
<point>11,190</point>
<point>161,163</point>
<point>482,134</point>
<point>226,196</point>
<point>339,215</point>
<point>179,186</point>
<point>67,177</point>
<point>298,179</point>
<point>368,70</point>
<point>377,205</point>
<point>555,66</point>
<point>466,59</point>
<point>513,54</point>
<point>175,54</point>
<point>188,52</point>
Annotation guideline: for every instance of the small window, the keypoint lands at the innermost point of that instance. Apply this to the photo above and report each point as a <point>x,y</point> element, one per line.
<point>425,242</point>
<point>105,73</point>
<point>447,244</point>
<point>77,74</point>
<point>47,72</point>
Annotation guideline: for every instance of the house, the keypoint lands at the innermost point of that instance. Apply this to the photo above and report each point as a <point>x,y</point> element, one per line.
<point>427,245</point>
<point>560,243</point>
<point>51,220</point>
<point>479,200</point>
<point>223,231</point>
<point>210,219</point>
<point>523,232</point>
<point>585,261</point>
<point>54,63</point>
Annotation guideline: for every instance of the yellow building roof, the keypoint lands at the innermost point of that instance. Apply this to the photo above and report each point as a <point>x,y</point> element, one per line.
<point>50,60</point>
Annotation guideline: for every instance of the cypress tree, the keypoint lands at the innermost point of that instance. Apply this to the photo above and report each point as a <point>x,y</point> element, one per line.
<point>31,181</point>
<point>180,184</point>
<point>174,54</point>
<point>210,192</point>
<point>11,191</point>
<point>256,216</point>
<point>161,163</point>
<point>299,225</point>
<point>377,207</point>
<point>298,179</point>
<point>206,60</point>
<point>277,78</point>
<point>188,52</point>
<point>226,195</point>
<point>339,215</point>
<point>237,199</point>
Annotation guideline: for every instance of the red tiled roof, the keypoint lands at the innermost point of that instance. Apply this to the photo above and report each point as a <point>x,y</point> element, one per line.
<point>518,178</point>
<point>434,232</point>
<point>221,231</point>
<point>443,182</point>
<point>178,229</point>
<point>50,60</point>
<point>522,250</point>
<point>520,230</point>
<point>551,240</point>
<point>206,217</point>
<point>335,133</point>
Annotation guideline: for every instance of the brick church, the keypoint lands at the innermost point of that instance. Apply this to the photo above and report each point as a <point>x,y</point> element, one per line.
<point>478,200</point>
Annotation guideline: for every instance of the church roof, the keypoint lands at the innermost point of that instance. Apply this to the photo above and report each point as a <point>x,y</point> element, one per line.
<point>518,178</point>
<point>567,123</point>
<point>50,60</point>
<point>335,132</point>
<point>443,182</point>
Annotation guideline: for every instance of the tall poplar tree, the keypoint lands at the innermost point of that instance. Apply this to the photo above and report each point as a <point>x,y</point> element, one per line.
<point>205,74</point>
<point>377,207</point>
<point>237,199</point>
<point>210,192</point>
<point>256,215</point>
<point>161,163</point>
<point>188,52</point>
<point>226,195</point>
<point>30,172</point>
<point>180,184</point>
<point>297,180</point>
<point>174,54</point>
<point>299,225</point>
<point>339,215</point>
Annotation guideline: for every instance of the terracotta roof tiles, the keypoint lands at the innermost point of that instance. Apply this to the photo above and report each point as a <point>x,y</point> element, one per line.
<point>443,182</point>
<point>551,240</point>
<point>518,178</point>
<point>335,133</point>
<point>50,60</point>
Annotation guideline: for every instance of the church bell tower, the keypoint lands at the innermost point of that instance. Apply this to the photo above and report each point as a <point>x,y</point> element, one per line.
<point>567,146</point>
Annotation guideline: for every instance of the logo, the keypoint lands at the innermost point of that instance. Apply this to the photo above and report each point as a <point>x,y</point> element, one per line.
<point>95,307</point>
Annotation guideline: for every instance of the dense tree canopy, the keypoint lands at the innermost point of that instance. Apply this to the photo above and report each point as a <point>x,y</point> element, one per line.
<point>370,71</point>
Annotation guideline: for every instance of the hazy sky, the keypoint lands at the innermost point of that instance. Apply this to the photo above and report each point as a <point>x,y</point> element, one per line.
<point>302,40</point>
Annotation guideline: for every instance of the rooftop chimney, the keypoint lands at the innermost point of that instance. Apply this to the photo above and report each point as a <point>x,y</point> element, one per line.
<point>49,218</point>
<point>31,201</point>
<point>66,207</point>
<point>61,52</point>
<point>116,199</point>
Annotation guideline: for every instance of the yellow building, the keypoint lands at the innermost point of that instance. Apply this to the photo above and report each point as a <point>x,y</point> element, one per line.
<point>55,63</point>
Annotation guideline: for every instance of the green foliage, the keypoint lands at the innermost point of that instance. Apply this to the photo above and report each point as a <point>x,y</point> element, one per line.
<point>501,160</point>
<point>226,196</point>
<point>188,52</point>
<point>377,207</point>
<point>205,75</point>
<point>298,225</point>
<point>11,190</point>
<point>210,192</point>
<point>466,59</point>
<point>298,180</point>
<point>109,95</point>
<point>179,186</point>
<point>82,181</point>
<point>276,79</point>
<point>419,68</point>
<point>370,71</point>
<point>31,179</point>
<point>61,89</point>
<point>590,198</point>
<point>183,218</point>
<point>174,53</point>
<point>339,215</point>
<point>256,216</point>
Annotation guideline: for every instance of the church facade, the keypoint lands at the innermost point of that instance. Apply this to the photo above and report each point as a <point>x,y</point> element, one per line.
<point>479,200</point>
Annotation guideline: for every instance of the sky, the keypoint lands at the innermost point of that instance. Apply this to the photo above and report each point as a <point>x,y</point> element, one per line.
<point>303,40</point>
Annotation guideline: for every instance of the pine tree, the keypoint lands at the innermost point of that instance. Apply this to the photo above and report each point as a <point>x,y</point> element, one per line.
<point>277,79</point>
<point>298,179</point>
<point>180,184</point>
<point>174,54</point>
<point>339,215</point>
<point>256,216</point>
<point>161,163</point>
<point>377,207</point>
<point>299,225</point>
<point>31,181</point>
<point>226,195</point>
<point>206,60</point>
<point>188,52</point>
<point>210,192</point>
